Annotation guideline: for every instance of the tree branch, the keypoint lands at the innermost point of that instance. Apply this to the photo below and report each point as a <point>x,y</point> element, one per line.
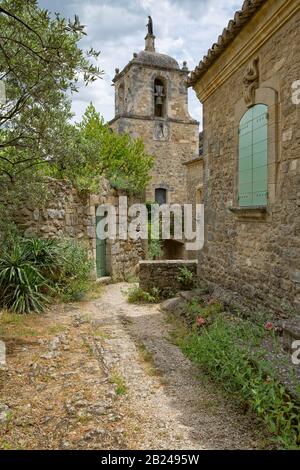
<point>8,13</point>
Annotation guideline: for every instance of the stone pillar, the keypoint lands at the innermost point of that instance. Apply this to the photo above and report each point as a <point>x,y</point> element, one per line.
<point>150,43</point>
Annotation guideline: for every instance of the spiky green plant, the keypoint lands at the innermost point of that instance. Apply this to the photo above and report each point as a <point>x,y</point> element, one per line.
<point>21,282</point>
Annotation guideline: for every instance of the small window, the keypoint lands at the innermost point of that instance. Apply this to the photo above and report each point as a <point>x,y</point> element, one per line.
<point>160,196</point>
<point>159,98</point>
<point>199,195</point>
<point>253,157</point>
<point>121,98</point>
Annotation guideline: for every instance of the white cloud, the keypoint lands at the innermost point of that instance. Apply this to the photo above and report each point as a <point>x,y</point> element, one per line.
<point>185,29</point>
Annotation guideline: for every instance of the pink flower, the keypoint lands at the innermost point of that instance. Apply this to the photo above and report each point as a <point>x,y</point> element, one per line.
<point>269,326</point>
<point>200,321</point>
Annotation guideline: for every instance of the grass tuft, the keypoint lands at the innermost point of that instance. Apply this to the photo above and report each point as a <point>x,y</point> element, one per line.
<point>119,382</point>
<point>136,295</point>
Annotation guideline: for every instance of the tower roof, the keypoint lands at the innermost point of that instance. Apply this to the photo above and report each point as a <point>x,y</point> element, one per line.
<point>156,60</point>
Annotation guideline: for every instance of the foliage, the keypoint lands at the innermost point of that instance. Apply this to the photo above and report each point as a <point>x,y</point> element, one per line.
<point>8,230</point>
<point>42,253</point>
<point>186,278</point>
<point>34,270</point>
<point>130,278</point>
<point>155,250</point>
<point>197,309</point>
<point>226,349</point>
<point>40,62</point>
<point>137,295</point>
<point>119,382</point>
<point>73,278</point>
<point>155,245</point>
<point>155,242</point>
<point>100,151</point>
<point>21,282</point>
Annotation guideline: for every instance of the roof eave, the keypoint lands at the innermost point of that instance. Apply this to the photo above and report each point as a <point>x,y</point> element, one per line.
<point>241,18</point>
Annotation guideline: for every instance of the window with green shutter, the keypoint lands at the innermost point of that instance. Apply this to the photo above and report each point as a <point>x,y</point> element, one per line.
<point>253,157</point>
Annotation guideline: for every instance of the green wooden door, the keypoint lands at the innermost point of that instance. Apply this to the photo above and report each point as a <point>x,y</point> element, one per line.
<point>253,157</point>
<point>100,251</point>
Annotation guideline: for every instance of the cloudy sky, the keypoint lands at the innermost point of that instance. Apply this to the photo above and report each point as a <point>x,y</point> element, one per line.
<point>184,29</point>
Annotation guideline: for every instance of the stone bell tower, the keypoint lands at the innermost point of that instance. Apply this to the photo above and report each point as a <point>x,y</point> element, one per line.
<point>151,102</point>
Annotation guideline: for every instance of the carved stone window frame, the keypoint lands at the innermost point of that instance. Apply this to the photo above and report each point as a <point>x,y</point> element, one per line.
<point>268,96</point>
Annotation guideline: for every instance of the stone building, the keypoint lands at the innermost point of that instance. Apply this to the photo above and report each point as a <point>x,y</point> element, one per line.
<point>151,101</point>
<point>248,86</point>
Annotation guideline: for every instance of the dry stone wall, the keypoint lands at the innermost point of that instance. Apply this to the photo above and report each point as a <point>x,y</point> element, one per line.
<point>164,274</point>
<point>69,214</point>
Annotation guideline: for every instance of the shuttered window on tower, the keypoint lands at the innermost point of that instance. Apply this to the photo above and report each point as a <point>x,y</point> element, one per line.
<point>253,157</point>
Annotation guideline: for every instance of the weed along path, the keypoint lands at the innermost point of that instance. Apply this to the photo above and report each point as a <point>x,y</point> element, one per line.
<point>104,374</point>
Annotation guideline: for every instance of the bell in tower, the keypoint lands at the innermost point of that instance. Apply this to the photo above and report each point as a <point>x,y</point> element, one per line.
<point>159,97</point>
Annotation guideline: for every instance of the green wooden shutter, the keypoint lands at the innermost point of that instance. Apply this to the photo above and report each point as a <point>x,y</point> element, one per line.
<point>245,159</point>
<point>260,155</point>
<point>253,157</point>
<point>100,252</point>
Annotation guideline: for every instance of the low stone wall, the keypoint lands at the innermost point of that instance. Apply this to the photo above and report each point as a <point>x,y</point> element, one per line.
<point>163,274</point>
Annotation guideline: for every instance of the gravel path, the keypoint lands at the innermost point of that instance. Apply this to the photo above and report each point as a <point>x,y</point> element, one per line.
<point>170,405</point>
<point>104,374</point>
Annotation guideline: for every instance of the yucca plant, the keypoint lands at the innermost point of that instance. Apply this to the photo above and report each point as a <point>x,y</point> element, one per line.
<point>22,286</point>
<point>34,270</point>
<point>47,255</point>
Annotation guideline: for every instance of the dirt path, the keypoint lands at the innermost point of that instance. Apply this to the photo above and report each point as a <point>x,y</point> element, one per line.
<point>168,405</point>
<point>104,374</point>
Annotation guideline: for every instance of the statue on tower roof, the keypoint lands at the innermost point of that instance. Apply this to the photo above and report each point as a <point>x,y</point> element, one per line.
<point>150,26</point>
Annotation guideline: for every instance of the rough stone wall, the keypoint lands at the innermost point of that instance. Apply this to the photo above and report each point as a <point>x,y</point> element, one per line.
<point>172,140</point>
<point>194,181</point>
<point>69,214</point>
<point>164,274</point>
<point>260,259</point>
<point>194,191</point>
